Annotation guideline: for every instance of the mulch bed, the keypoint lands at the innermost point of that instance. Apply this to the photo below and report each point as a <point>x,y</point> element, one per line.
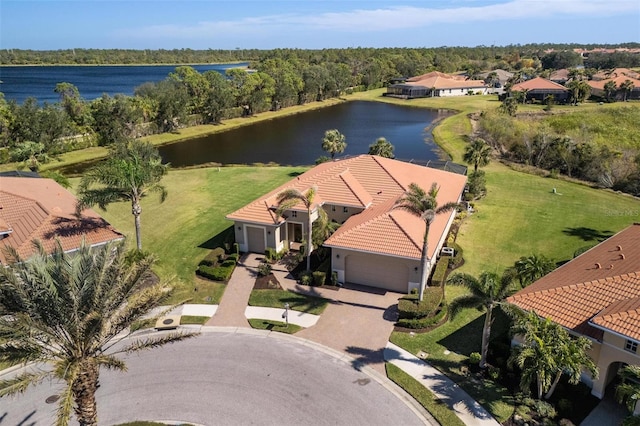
<point>267,282</point>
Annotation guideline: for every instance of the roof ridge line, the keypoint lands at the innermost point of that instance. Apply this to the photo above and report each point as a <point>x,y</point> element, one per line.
<point>353,191</point>
<point>387,172</point>
<point>404,231</point>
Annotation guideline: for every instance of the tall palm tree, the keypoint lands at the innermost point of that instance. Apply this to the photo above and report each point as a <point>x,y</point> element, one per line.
<point>488,291</point>
<point>334,142</point>
<point>381,147</point>
<point>610,89</point>
<point>131,173</point>
<point>425,206</point>
<point>69,311</point>
<point>478,153</point>
<point>547,351</point>
<point>627,87</point>
<point>289,198</point>
<point>628,391</point>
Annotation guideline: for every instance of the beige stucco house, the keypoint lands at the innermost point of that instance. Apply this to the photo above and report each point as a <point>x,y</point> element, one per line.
<point>376,245</point>
<point>596,295</point>
<point>437,83</point>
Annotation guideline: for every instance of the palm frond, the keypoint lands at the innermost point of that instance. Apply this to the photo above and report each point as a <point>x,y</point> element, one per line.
<point>21,382</point>
<point>155,342</point>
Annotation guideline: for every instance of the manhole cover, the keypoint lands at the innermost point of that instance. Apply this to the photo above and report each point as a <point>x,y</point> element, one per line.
<point>52,399</point>
<point>167,321</point>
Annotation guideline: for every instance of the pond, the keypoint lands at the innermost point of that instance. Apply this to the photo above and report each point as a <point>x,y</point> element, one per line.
<point>297,139</point>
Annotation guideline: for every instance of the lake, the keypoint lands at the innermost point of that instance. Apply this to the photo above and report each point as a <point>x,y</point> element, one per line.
<point>297,139</point>
<point>22,82</point>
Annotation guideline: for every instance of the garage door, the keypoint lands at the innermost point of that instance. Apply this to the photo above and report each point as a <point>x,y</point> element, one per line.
<point>377,272</point>
<point>255,239</point>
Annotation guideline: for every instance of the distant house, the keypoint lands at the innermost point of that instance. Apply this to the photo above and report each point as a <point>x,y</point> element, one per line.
<point>436,83</point>
<point>537,89</point>
<point>596,295</point>
<point>597,87</point>
<point>40,209</point>
<point>615,73</point>
<point>559,76</point>
<point>496,85</point>
<point>376,245</point>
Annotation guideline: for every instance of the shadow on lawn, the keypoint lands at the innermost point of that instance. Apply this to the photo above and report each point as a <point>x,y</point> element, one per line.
<point>468,339</point>
<point>218,240</point>
<point>587,234</point>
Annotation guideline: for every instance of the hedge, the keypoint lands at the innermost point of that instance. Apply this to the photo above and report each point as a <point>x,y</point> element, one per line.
<point>425,322</point>
<point>458,259</point>
<point>221,272</point>
<point>409,308</point>
<point>214,256</point>
<point>440,272</point>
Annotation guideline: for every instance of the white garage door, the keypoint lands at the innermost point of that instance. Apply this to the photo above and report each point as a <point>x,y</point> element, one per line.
<point>377,272</point>
<point>255,240</point>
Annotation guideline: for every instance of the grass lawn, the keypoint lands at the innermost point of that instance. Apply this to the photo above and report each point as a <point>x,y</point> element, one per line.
<point>443,414</point>
<point>297,302</point>
<point>281,327</point>
<point>193,319</point>
<point>182,229</point>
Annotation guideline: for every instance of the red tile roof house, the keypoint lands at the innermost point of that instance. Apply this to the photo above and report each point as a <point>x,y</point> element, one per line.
<point>376,245</point>
<point>436,84</point>
<point>596,295</point>
<point>597,87</point>
<point>41,209</point>
<point>539,88</point>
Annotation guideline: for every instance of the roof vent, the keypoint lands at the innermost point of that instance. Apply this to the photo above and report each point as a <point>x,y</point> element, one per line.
<point>621,256</point>
<point>611,266</point>
<point>598,266</point>
<point>619,248</point>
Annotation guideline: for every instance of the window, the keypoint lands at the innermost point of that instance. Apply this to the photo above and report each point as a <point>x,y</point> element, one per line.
<point>345,210</point>
<point>631,346</point>
<point>333,208</point>
<point>294,214</point>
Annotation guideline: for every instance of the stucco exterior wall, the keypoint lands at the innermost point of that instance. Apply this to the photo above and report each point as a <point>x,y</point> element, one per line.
<point>340,213</point>
<point>610,351</point>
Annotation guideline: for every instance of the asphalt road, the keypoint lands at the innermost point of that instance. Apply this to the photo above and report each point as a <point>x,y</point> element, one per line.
<point>230,379</point>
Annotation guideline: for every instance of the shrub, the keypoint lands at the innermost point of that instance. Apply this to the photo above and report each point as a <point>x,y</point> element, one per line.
<point>305,278</point>
<point>544,409</point>
<point>458,259</point>
<point>440,272</point>
<point>264,269</point>
<point>213,257</point>
<point>319,278</point>
<point>475,357</point>
<point>410,308</point>
<point>334,278</point>
<point>233,256</point>
<point>426,322</point>
<point>236,248</point>
<point>270,254</point>
<point>494,373</point>
<point>221,272</point>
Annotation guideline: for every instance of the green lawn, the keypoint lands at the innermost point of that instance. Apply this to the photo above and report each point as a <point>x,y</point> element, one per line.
<point>296,301</point>
<point>180,230</point>
<point>279,326</point>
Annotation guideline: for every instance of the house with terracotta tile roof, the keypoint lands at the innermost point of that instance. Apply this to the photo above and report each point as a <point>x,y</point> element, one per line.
<point>376,245</point>
<point>436,83</point>
<point>40,209</point>
<point>596,295</point>
<point>537,89</point>
<point>597,87</point>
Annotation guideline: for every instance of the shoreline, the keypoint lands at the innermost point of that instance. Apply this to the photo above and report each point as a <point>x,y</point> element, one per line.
<point>128,65</point>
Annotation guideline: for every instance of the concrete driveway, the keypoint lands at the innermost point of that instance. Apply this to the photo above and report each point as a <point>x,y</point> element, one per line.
<point>237,377</point>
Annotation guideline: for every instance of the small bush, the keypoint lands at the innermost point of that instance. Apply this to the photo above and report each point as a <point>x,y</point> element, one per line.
<point>221,272</point>
<point>319,278</point>
<point>494,373</point>
<point>305,278</point>
<point>236,248</point>
<point>475,357</point>
<point>544,409</point>
<point>334,278</point>
<point>270,254</point>
<point>426,322</point>
<point>214,257</point>
<point>264,269</point>
<point>458,259</point>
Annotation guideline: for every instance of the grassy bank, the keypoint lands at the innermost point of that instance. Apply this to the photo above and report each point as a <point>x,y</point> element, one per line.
<point>180,230</point>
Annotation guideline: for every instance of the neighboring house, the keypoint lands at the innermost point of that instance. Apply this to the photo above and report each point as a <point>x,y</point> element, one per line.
<point>40,209</point>
<point>376,245</point>
<point>560,76</point>
<point>597,87</point>
<point>615,73</point>
<point>436,83</point>
<point>596,295</point>
<point>537,89</point>
<point>501,78</point>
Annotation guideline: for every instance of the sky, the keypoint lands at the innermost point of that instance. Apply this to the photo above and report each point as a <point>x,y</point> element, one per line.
<point>312,24</point>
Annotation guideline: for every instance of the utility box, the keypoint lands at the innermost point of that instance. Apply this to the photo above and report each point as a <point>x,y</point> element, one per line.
<point>447,251</point>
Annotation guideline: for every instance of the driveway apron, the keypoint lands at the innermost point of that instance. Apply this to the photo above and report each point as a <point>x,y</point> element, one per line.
<point>358,320</point>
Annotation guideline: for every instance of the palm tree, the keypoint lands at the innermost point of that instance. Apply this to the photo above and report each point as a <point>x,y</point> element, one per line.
<point>131,173</point>
<point>628,391</point>
<point>289,198</point>
<point>333,142</point>
<point>382,147</point>
<point>425,206</point>
<point>478,153</point>
<point>580,90</point>
<point>627,86</point>
<point>70,311</point>
<point>547,352</point>
<point>531,268</point>
<point>610,89</point>
<point>488,291</point>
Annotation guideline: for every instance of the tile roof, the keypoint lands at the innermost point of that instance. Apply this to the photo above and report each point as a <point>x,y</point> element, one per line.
<point>615,73</point>
<point>601,287</point>
<point>40,209</point>
<point>440,80</point>
<point>537,83</point>
<point>374,183</point>
<point>599,84</point>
